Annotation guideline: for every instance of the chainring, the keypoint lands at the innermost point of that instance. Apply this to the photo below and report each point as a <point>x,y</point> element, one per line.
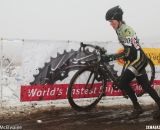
<point>59,67</point>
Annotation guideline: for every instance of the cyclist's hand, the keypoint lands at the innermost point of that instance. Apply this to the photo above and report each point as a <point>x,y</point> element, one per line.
<point>101,49</point>
<point>105,58</point>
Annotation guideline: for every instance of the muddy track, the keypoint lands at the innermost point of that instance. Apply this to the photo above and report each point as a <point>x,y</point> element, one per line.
<point>112,118</point>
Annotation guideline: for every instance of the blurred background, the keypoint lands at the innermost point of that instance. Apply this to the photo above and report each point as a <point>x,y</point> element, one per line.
<point>82,20</point>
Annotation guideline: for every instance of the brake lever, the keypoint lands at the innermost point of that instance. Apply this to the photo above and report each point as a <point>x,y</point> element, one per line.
<point>82,45</point>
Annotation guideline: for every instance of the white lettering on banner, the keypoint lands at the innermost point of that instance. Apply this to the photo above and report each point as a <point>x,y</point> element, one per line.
<point>57,91</point>
<point>54,92</point>
<point>36,92</point>
<point>79,91</point>
<point>82,91</point>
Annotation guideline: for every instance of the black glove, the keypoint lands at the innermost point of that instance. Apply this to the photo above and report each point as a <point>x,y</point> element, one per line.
<point>106,58</point>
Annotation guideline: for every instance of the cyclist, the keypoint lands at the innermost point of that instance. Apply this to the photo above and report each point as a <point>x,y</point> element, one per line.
<point>134,56</point>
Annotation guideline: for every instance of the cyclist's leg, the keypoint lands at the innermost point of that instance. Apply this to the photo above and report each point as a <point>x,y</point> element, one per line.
<point>126,78</point>
<point>144,82</point>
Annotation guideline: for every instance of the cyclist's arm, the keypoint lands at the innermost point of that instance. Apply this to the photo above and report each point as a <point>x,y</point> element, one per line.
<point>113,57</point>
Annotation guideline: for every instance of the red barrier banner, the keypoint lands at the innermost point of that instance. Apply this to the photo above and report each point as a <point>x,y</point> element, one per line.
<point>59,91</point>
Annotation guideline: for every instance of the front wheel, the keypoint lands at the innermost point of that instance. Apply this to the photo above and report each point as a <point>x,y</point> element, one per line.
<point>86,88</point>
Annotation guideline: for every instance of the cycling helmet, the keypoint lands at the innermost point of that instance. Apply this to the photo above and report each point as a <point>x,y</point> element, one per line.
<point>114,13</point>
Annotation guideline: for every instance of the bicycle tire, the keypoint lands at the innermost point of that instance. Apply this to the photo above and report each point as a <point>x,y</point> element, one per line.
<point>72,86</point>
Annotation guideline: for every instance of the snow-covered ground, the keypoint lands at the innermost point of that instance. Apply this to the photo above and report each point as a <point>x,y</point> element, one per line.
<point>25,56</point>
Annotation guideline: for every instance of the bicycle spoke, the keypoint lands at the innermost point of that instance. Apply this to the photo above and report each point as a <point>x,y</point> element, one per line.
<point>88,79</point>
<point>86,92</point>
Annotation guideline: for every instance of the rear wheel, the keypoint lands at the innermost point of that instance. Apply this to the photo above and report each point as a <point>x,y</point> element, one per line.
<point>86,88</point>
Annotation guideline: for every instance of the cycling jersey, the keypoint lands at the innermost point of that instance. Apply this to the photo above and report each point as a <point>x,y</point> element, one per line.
<point>132,50</point>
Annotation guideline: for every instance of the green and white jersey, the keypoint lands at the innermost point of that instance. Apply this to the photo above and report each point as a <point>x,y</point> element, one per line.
<point>135,55</point>
<point>127,36</point>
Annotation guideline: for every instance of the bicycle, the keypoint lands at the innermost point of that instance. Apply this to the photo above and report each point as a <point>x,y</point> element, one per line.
<point>88,84</point>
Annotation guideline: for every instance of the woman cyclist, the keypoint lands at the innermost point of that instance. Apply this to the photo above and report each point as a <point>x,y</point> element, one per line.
<point>134,55</point>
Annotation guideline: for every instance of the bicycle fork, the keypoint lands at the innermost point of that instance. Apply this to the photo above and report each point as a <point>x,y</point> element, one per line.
<point>87,86</point>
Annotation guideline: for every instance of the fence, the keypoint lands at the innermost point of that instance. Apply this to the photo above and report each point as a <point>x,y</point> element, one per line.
<point>20,60</point>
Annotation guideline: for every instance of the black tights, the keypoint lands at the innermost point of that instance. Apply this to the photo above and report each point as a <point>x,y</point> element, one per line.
<point>128,76</point>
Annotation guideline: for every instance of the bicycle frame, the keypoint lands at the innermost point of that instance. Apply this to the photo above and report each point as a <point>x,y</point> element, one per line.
<point>108,74</point>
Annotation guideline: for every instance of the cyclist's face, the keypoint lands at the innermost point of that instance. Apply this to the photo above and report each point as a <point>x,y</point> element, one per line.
<point>114,23</point>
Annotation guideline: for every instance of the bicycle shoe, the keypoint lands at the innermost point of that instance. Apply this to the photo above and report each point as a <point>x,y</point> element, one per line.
<point>136,112</point>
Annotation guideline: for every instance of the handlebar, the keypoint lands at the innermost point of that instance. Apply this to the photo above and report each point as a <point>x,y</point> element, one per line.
<point>101,50</point>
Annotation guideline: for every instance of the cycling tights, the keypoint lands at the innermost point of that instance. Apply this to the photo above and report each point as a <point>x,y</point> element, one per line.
<point>128,76</point>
